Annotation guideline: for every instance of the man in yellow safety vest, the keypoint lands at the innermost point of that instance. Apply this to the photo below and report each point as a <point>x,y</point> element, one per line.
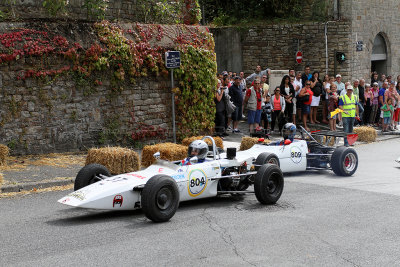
<point>349,104</point>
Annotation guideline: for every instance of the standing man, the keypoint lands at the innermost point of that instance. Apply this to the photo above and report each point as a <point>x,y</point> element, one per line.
<point>306,76</point>
<point>253,101</point>
<point>297,85</point>
<point>292,73</point>
<point>339,84</point>
<point>349,104</point>
<point>237,98</point>
<point>258,74</point>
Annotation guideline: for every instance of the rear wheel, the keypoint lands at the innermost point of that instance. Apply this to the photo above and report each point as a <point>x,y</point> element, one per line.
<point>90,174</point>
<point>268,184</point>
<point>344,161</point>
<point>267,157</point>
<point>160,198</point>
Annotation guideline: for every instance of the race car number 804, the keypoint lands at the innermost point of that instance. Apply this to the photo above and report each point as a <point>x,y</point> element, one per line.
<point>197,182</point>
<point>295,154</point>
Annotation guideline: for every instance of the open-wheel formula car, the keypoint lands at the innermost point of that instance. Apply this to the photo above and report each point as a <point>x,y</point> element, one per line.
<point>158,189</point>
<point>296,155</point>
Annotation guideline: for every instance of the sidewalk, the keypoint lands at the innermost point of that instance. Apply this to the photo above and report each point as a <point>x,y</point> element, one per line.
<point>36,172</point>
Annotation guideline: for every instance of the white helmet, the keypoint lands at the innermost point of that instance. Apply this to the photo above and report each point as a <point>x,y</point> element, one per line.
<point>198,148</point>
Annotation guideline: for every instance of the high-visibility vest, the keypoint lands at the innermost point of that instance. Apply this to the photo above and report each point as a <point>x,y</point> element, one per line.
<point>349,105</point>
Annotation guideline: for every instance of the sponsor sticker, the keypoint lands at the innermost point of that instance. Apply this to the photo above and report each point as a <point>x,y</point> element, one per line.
<point>178,176</point>
<point>197,182</point>
<point>77,195</point>
<point>295,154</point>
<point>136,175</point>
<point>118,199</point>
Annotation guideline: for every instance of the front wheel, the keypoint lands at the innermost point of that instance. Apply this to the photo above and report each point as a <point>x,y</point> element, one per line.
<point>89,175</point>
<point>344,161</point>
<point>160,198</point>
<point>268,184</point>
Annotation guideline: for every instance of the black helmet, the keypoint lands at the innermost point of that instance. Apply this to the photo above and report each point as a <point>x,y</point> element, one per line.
<point>289,131</point>
<point>198,148</point>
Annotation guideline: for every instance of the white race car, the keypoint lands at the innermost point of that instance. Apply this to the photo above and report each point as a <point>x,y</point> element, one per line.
<point>159,188</point>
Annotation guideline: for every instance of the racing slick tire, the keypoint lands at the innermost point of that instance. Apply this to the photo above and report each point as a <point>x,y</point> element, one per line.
<point>87,175</point>
<point>268,184</point>
<point>267,157</point>
<point>344,161</point>
<point>160,198</point>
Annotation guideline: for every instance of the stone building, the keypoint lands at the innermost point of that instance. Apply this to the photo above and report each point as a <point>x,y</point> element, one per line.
<point>364,30</point>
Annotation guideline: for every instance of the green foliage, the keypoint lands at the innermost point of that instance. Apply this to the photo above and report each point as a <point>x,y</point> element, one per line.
<point>197,76</point>
<point>160,11</point>
<point>224,12</point>
<point>111,132</point>
<point>55,7</point>
<point>319,10</point>
<point>96,8</point>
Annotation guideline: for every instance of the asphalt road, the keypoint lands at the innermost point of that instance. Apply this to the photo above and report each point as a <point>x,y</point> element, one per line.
<point>320,220</point>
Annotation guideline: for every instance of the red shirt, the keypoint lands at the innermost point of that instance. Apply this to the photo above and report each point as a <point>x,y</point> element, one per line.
<point>258,96</point>
<point>310,99</point>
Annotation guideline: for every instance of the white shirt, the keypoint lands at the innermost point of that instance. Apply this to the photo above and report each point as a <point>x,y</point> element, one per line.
<point>297,83</point>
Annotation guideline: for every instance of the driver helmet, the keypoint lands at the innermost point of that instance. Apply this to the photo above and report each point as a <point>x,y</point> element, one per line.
<point>198,148</point>
<point>289,131</point>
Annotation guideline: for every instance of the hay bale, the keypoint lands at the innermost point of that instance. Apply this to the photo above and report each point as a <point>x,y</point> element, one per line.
<point>168,151</point>
<point>365,134</point>
<point>331,142</point>
<point>218,141</point>
<point>4,151</point>
<point>116,159</point>
<point>248,142</point>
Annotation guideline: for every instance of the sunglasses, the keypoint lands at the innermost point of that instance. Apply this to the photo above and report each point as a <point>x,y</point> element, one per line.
<point>308,83</point>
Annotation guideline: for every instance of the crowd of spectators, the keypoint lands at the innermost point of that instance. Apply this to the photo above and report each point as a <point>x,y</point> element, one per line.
<point>303,97</point>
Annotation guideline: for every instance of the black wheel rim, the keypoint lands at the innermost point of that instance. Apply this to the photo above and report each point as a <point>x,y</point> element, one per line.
<point>274,184</point>
<point>164,198</point>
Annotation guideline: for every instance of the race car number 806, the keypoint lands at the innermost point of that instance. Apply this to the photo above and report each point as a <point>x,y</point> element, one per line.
<point>197,182</point>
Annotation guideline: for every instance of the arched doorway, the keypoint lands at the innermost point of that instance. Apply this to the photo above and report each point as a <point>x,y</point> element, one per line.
<point>379,57</point>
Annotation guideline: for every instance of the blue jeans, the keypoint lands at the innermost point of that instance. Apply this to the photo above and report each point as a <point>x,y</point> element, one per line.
<point>360,112</point>
<point>348,123</point>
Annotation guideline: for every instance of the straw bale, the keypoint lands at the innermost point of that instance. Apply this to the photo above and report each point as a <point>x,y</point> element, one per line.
<point>331,143</point>
<point>4,151</point>
<point>218,141</point>
<point>365,134</point>
<point>168,151</point>
<point>116,159</point>
<point>248,142</point>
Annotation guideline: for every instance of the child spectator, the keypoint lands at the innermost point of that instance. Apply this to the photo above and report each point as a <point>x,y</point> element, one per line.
<point>266,112</point>
<point>332,105</point>
<point>387,114</point>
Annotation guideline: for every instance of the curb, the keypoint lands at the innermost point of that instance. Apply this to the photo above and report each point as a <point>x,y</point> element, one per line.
<point>37,185</point>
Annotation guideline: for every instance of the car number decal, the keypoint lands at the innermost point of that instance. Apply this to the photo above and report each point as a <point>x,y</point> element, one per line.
<point>197,182</point>
<point>295,154</point>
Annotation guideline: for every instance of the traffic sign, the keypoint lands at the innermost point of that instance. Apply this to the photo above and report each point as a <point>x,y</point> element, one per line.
<point>299,57</point>
<point>172,59</point>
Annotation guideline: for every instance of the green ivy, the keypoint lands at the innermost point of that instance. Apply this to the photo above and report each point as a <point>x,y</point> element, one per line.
<point>197,83</point>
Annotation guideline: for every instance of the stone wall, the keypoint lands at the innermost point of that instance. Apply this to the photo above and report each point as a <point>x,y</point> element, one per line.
<point>42,118</point>
<point>55,115</point>
<point>369,18</point>
<point>275,46</point>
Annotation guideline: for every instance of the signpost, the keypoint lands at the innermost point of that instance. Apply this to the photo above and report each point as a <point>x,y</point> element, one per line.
<point>173,61</point>
<point>359,46</point>
<point>299,57</point>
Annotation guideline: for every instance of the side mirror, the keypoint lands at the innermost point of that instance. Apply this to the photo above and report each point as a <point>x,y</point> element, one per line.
<point>194,159</point>
<point>157,155</point>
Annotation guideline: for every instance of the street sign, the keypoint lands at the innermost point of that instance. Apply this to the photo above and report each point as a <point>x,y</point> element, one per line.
<point>172,59</point>
<point>359,46</point>
<point>299,57</point>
